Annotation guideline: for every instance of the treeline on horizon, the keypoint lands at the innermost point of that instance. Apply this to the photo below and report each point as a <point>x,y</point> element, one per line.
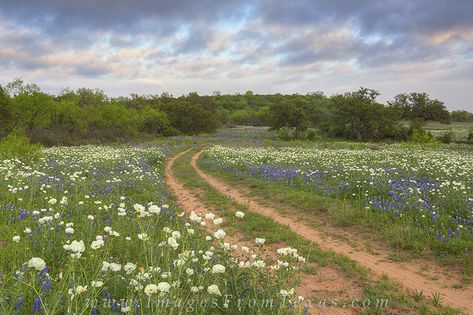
<point>90,116</point>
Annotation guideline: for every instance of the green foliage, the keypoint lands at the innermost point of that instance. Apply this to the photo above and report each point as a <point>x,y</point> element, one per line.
<point>446,137</point>
<point>437,299</point>
<point>31,109</point>
<point>420,136</point>
<point>154,122</point>
<point>296,112</point>
<point>191,115</point>
<point>285,134</point>
<point>17,146</point>
<point>89,115</point>
<point>248,116</point>
<point>310,134</point>
<point>5,112</point>
<point>419,106</point>
<point>461,116</point>
<point>470,135</point>
<point>358,116</point>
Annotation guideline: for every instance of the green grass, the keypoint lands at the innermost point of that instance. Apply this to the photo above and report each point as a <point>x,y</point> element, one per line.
<point>459,130</point>
<point>260,226</point>
<point>404,242</point>
<point>109,198</point>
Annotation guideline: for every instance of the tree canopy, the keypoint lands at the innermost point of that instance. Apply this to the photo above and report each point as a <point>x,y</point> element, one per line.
<point>89,115</point>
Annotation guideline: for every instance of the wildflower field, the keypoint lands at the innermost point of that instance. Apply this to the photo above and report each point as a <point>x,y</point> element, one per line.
<point>94,230</point>
<point>423,196</point>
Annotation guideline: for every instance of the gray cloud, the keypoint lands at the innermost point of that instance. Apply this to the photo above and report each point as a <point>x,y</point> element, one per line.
<point>372,16</point>
<point>158,17</point>
<point>93,70</point>
<point>236,40</point>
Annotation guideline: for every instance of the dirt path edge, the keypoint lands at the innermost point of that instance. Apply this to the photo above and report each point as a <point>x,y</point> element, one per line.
<point>401,273</point>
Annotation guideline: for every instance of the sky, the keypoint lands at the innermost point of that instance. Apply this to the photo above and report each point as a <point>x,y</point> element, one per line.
<point>266,46</point>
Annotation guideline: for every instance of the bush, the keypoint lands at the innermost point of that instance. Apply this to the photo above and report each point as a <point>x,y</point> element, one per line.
<point>470,135</point>
<point>17,146</point>
<point>310,134</point>
<point>422,137</point>
<point>446,137</point>
<point>285,134</point>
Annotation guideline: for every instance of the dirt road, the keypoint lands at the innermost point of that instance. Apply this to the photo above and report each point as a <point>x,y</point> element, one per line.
<point>402,273</point>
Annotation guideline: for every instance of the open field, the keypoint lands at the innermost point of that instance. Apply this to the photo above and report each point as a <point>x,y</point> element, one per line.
<point>236,157</point>
<point>418,199</point>
<point>460,131</point>
<point>330,282</point>
<point>103,229</point>
<point>94,229</point>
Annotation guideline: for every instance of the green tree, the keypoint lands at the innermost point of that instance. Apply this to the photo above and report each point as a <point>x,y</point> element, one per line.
<point>18,86</point>
<point>68,120</point>
<point>461,116</point>
<point>357,115</point>
<point>297,112</point>
<point>420,106</point>
<point>5,112</point>
<point>289,114</point>
<point>190,114</point>
<point>154,122</point>
<point>31,109</point>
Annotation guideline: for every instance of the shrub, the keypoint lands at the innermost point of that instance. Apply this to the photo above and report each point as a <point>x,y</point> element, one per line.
<point>470,135</point>
<point>422,137</point>
<point>17,145</point>
<point>285,134</point>
<point>310,134</point>
<point>446,137</point>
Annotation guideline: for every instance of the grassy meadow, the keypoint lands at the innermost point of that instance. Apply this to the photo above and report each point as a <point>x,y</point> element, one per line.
<point>95,229</point>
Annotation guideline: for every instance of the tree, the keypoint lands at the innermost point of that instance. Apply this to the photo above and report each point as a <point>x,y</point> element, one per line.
<point>189,116</point>
<point>18,86</point>
<point>67,120</point>
<point>91,96</point>
<point>419,106</point>
<point>5,112</point>
<point>357,115</point>
<point>31,109</point>
<point>461,116</point>
<point>154,122</point>
<point>289,114</point>
<point>296,111</point>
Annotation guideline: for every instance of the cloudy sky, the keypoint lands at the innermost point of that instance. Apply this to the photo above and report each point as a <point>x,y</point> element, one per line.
<point>267,46</point>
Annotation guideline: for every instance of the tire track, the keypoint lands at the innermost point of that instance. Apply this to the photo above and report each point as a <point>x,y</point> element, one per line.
<point>401,273</point>
<point>190,202</point>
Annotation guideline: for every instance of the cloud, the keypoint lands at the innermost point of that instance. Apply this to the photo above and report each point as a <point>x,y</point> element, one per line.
<point>276,45</point>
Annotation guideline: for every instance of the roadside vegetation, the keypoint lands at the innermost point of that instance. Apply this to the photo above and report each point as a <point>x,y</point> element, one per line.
<point>90,116</point>
<point>318,260</point>
<point>417,201</point>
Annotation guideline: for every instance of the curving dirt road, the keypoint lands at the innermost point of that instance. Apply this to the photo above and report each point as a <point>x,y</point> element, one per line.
<point>403,274</point>
<point>187,199</point>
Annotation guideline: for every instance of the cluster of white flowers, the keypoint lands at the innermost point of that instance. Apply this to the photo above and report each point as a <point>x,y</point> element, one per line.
<point>219,234</point>
<point>98,243</point>
<point>239,214</point>
<point>110,231</point>
<point>162,287</point>
<point>260,241</point>
<point>114,267</point>
<point>75,247</point>
<point>37,263</point>
<point>292,252</point>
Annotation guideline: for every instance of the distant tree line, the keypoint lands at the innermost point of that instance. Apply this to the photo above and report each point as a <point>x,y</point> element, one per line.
<point>88,115</point>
